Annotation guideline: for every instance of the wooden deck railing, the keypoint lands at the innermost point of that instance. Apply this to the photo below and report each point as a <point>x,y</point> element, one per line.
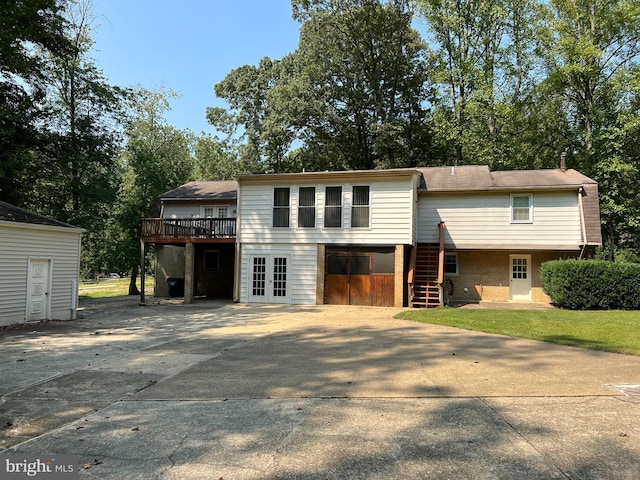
<point>188,227</point>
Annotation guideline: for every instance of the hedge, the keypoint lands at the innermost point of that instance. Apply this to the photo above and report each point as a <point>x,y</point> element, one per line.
<point>592,284</point>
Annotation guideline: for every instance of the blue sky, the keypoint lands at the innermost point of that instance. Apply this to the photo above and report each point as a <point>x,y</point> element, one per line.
<point>188,46</point>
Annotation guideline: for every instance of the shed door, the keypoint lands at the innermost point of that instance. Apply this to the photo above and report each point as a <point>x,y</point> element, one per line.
<point>38,290</point>
<point>520,287</point>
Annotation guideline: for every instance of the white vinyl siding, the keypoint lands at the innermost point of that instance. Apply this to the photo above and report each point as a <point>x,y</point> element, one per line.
<point>20,243</point>
<point>391,209</point>
<point>301,274</point>
<point>484,221</point>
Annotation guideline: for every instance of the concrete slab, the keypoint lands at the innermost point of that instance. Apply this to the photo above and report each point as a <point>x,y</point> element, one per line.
<point>172,391</point>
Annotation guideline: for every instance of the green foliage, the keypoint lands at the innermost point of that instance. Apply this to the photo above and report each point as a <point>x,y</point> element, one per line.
<point>353,93</point>
<point>157,158</point>
<point>30,32</point>
<point>592,284</point>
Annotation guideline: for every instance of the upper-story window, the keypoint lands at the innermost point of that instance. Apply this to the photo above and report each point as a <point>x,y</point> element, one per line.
<point>219,211</point>
<point>307,207</point>
<point>333,207</point>
<point>281,207</point>
<point>360,206</point>
<point>522,208</point>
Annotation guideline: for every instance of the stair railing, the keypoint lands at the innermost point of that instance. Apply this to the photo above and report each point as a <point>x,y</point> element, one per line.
<point>411,274</point>
<point>441,264</point>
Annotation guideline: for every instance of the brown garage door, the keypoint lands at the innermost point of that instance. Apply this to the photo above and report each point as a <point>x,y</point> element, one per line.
<point>357,276</point>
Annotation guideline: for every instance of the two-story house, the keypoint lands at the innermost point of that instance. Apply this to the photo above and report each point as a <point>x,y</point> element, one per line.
<point>379,237</point>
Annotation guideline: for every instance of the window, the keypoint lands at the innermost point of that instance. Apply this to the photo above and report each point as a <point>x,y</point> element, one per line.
<point>211,259</point>
<point>521,208</point>
<point>360,207</point>
<point>451,263</point>
<point>333,207</point>
<point>281,207</point>
<point>307,207</point>
<point>214,212</point>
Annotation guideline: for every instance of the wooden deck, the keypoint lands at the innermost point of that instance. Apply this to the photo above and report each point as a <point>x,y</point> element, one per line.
<point>181,230</point>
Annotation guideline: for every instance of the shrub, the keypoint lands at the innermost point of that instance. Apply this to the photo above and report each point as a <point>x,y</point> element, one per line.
<point>592,284</point>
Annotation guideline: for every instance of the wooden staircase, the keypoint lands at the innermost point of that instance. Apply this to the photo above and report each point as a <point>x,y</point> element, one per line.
<point>426,273</point>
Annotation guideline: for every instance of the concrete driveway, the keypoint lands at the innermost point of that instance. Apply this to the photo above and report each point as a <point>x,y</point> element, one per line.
<point>224,391</point>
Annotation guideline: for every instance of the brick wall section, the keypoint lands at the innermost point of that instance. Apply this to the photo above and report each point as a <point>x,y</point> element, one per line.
<point>485,275</point>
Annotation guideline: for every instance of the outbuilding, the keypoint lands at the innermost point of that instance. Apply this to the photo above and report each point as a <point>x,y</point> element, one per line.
<point>39,267</point>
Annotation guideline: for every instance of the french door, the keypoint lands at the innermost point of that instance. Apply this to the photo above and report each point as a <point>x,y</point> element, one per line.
<point>269,278</point>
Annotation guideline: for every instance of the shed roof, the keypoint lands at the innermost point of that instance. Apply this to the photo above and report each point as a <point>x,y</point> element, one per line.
<point>11,213</point>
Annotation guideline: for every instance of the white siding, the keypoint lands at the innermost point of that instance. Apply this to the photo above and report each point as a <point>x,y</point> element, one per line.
<point>391,213</point>
<point>483,220</point>
<point>192,209</point>
<point>302,271</point>
<point>20,243</point>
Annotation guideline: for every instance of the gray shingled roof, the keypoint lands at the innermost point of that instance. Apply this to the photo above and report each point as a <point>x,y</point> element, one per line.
<point>11,213</point>
<point>209,190</point>
<point>478,178</point>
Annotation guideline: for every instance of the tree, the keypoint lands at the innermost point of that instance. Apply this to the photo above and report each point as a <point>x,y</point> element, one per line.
<point>362,86</point>
<point>593,63</point>
<point>30,31</point>
<point>156,159</point>
<point>216,160</point>
<point>351,96</point>
<point>595,45</point>
<point>77,175</point>
<point>484,61</point>
<point>254,114</point>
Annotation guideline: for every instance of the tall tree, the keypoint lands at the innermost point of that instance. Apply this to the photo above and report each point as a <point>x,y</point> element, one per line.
<point>594,62</point>
<point>484,61</point>
<point>596,44</point>
<point>351,96</point>
<point>255,114</point>
<point>217,160</point>
<point>156,159</point>
<point>364,84</point>
<point>30,31</point>
<point>77,177</point>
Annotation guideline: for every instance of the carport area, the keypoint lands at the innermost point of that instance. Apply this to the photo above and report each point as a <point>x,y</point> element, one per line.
<point>218,390</point>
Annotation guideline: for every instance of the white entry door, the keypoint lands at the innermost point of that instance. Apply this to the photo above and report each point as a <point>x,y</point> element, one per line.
<point>38,290</point>
<point>520,288</point>
<point>269,278</point>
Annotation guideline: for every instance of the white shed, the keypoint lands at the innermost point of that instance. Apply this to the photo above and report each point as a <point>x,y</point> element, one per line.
<point>39,267</point>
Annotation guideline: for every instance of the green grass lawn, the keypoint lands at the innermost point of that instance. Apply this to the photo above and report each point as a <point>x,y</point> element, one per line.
<point>111,288</point>
<point>610,330</point>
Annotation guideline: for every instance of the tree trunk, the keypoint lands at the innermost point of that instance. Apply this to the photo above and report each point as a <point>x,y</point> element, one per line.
<point>612,247</point>
<point>133,288</point>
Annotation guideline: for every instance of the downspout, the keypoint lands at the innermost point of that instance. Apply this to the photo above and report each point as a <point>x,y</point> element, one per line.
<point>237,262</point>
<point>441,264</point>
<point>583,227</point>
